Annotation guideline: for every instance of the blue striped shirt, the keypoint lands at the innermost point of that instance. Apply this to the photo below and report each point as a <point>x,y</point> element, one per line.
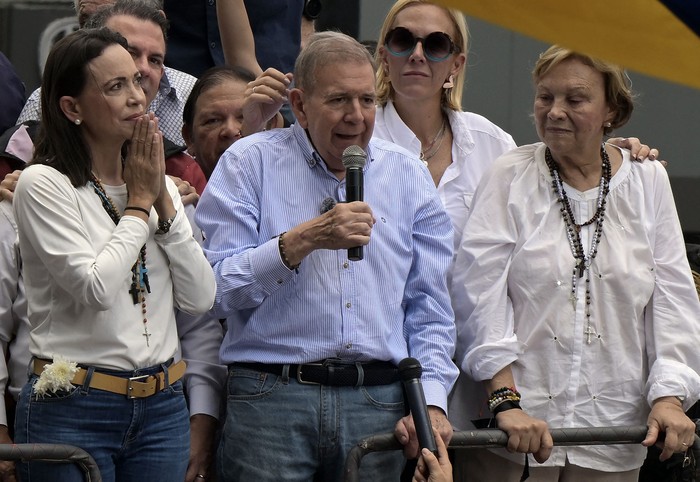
<point>391,305</point>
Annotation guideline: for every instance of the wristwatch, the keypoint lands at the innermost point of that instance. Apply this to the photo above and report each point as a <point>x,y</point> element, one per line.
<point>312,9</point>
<point>164,225</point>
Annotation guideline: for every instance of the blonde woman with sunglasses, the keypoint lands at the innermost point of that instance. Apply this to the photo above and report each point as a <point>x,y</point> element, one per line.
<point>420,68</point>
<point>421,58</point>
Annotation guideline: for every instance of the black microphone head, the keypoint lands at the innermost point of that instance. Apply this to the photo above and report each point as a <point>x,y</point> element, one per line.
<point>409,369</point>
<point>354,157</point>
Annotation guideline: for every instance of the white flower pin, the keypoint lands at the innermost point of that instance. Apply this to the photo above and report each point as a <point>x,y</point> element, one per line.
<point>56,376</point>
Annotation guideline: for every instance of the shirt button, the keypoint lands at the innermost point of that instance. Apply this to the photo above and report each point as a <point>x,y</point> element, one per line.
<point>211,2</point>
<point>346,265</point>
<point>279,281</point>
<point>348,305</point>
<point>213,45</point>
<point>348,346</point>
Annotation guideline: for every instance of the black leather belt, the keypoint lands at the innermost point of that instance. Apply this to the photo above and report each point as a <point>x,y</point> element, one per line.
<point>332,372</point>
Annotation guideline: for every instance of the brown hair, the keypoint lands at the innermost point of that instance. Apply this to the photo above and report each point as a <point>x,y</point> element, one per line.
<point>60,143</point>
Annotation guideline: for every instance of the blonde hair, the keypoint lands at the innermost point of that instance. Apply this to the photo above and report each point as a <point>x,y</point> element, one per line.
<point>451,98</point>
<point>618,92</point>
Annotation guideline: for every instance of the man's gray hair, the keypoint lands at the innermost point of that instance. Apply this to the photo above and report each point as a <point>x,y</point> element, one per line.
<point>325,48</point>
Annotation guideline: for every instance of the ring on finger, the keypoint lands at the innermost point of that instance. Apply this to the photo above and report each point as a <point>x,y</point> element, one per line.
<point>201,476</point>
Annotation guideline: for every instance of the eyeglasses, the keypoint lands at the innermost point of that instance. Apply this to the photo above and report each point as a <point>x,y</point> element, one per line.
<point>437,46</point>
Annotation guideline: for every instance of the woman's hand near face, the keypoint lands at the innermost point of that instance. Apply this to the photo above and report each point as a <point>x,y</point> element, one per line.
<point>144,169</point>
<point>164,203</point>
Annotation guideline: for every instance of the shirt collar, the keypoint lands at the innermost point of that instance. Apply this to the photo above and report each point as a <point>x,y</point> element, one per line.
<point>307,149</point>
<point>309,152</point>
<point>164,86</point>
<point>398,130</point>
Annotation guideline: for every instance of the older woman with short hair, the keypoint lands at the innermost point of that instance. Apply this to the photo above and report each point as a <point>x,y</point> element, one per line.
<point>573,296</point>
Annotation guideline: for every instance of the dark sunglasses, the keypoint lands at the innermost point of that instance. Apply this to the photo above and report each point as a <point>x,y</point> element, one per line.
<point>437,46</point>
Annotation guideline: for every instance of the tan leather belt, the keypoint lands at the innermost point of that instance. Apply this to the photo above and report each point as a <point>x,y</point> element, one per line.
<point>134,387</point>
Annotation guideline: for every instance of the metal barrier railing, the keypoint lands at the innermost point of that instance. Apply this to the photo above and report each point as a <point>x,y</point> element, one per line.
<point>53,453</point>
<point>493,438</point>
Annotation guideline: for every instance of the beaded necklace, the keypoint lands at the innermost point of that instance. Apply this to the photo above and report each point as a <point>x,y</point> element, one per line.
<point>431,149</point>
<point>139,272</point>
<point>573,231</point>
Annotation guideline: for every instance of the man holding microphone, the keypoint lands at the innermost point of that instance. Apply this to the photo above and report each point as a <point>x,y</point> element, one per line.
<point>314,338</point>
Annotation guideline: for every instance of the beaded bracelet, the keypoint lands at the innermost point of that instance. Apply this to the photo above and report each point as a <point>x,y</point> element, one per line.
<point>138,208</point>
<point>506,405</point>
<point>283,254</point>
<point>505,394</point>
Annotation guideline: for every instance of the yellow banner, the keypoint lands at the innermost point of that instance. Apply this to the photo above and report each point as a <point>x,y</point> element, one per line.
<point>641,35</point>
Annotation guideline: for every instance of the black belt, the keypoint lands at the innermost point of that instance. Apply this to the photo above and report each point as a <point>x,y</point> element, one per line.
<point>332,372</point>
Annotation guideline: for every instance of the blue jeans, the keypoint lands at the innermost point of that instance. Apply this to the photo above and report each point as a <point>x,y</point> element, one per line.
<point>280,430</point>
<point>143,439</point>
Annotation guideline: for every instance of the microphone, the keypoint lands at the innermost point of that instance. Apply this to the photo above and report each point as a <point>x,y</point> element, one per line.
<point>410,371</point>
<point>327,204</point>
<point>354,159</point>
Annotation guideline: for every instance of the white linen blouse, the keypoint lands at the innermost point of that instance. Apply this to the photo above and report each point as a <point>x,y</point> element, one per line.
<point>512,299</point>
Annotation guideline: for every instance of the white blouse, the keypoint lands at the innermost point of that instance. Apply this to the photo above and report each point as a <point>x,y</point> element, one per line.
<point>477,142</point>
<point>77,273</point>
<point>512,299</point>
